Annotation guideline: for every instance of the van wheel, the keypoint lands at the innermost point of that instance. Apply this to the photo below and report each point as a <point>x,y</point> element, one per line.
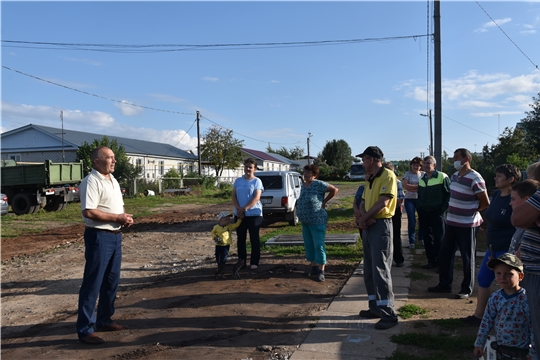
<point>294,220</point>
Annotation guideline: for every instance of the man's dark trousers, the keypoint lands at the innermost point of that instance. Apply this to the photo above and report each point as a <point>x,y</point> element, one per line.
<point>431,225</point>
<point>103,254</point>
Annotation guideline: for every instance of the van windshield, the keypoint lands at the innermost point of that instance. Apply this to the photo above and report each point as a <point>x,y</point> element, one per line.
<point>357,169</point>
<point>272,182</point>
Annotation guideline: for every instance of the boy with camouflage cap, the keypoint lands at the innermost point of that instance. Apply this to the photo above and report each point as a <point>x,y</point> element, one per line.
<point>507,313</point>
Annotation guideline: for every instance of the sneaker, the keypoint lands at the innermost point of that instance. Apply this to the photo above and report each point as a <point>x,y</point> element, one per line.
<point>385,324</point>
<point>462,295</point>
<point>439,289</point>
<point>472,320</point>
<point>411,246</point>
<point>321,277</point>
<point>253,267</point>
<point>368,314</point>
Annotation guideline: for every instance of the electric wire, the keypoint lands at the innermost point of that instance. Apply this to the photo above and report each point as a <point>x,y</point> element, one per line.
<point>249,137</point>
<point>512,41</point>
<point>481,132</point>
<point>153,48</point>
<point>95,95</point>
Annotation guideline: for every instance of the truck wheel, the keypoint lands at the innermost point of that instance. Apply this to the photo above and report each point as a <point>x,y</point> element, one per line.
<point>22,204</point>
<point>56,204</point>
<point>294,220</point>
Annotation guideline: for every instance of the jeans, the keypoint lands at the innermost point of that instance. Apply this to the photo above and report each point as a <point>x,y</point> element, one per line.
<point>222,253</point>
<point>253,225</point>
<point>410,208</point>
<point>103,254</point>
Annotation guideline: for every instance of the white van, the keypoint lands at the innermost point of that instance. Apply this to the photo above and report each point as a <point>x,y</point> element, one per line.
<point>281,190</point>
<point>356,172</point>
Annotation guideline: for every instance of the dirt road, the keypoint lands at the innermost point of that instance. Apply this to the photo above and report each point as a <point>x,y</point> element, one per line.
<point>168,296</point>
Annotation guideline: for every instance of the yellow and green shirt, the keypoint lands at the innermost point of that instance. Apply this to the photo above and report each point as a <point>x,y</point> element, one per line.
<point>383,183</point>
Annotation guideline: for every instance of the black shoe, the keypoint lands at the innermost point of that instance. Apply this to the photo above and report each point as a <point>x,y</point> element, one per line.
<point>368,314</point>
<point>472,320</point>
<point>429,266</point>
<point>462,295</point>
<point>385,324</point>
<point>439,289</point>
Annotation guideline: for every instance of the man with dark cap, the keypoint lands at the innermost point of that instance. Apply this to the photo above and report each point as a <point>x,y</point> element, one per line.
<point>375,219</point>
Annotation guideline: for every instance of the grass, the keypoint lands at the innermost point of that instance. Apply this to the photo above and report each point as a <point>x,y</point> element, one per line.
<point>13,225</point>
<point>409,310</point>
<point>416,275</point>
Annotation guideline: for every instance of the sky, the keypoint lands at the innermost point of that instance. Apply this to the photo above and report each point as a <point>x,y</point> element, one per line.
<point>120,54</point>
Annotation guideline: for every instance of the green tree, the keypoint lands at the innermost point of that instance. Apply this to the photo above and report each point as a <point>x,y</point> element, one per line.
<point>337,154</point>
<point>293,153</point>
<point>171,179</point>
<point>221,149</point>
<point>531,124</point>
<point>124,171</point>
<point>512,148</point>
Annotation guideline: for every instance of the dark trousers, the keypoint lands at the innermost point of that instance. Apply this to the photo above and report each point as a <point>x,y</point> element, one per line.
<point>432,230</point>
<point>463,238</point>
<point>222,253</point>
<point>103,254</point>
<point>396,236</point>
<point>253,225</point>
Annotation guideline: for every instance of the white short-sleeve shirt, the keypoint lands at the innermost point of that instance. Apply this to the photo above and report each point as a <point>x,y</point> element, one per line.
<point>98,192</point>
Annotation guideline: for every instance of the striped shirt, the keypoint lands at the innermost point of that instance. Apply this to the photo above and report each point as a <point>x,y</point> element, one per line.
<point>530,245</point>
<point>463,205</point>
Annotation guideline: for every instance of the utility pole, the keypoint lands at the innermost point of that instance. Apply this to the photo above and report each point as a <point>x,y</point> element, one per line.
<point>308,153</point>
<point>437,81</point>
<point>430,132</point>
<point>199,141</point>
<point>62,120</point>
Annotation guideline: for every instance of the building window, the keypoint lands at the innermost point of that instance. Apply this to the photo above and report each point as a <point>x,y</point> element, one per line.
<point>16,157</point>
<point>162,167</point>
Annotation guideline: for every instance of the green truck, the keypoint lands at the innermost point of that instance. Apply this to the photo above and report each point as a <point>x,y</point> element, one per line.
<point>32,186</point>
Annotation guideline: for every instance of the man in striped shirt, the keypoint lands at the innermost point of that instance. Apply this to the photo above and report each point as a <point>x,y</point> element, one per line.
<point>468,196</point>
<point>527,215</point>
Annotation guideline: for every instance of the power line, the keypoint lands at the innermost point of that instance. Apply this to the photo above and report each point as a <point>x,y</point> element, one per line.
<point>469,127</point>
<point>512,41</point>
<point>155,48</point>
<point>95,95</point>
<point>249,137</point>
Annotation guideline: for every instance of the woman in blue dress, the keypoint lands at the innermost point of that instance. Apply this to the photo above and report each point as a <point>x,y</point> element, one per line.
<point>311,212</point>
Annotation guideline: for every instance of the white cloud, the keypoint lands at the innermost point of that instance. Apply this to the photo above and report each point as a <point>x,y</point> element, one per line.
<point>82,61</point>
<point>211,79</point>
<point>527,32</point>
<point>275,81</point>
<point>283,134</point>
<point>491,24</point>
<point>382,102</point>
<point>478,104</point>
<point>127,109</point>
<point>95,122</point>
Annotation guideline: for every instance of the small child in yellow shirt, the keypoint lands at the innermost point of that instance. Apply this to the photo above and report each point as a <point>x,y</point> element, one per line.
<point>222,236</point>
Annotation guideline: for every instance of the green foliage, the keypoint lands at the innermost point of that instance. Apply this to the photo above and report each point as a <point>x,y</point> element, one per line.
<point>416,275</point>
<point>293,153</point>
<point>221,149</point>
<point>531,124</point>
<point>512,148</point>
<point>171,179</point>
<point>409,310</point>
<point>124,171</point>
<point>337,154</point>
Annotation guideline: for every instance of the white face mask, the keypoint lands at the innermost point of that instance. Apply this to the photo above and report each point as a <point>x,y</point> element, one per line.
<point>458,165</point>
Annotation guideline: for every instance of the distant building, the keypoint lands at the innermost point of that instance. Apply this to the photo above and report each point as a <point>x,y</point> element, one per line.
<point>39,143</point>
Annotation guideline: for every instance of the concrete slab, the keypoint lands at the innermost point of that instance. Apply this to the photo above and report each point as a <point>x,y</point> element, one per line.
<point>297,240</point>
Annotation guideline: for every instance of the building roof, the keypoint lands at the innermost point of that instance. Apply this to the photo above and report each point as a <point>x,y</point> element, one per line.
<point>261,155</point>
<point>284,159</point>
<point>73,139</point>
